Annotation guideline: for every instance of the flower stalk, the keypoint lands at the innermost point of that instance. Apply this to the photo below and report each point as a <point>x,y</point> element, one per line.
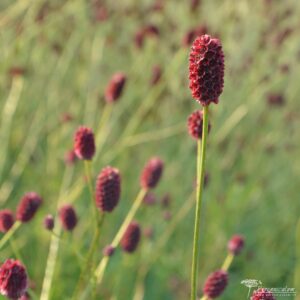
<point>99,273</point>
<point>201,155</point>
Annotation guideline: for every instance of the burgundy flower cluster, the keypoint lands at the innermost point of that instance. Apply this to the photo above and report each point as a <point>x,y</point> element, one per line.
<point>206,69</point>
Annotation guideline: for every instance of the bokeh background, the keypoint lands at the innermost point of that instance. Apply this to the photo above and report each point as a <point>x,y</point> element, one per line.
<point>57,57</point>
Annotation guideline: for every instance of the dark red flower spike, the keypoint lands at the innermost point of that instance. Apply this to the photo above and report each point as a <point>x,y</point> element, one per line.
<point>131,238</point>
<point>13,279</point>
<point>84,143</point>
<point>206,70</point>
<point>151,173</point>
<point>28,206</point>
<point>215,284</point>
<point>108,189</point>
<point>6,220</point>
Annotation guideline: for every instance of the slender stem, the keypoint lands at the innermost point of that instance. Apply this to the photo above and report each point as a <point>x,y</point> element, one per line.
<point>9,234</point>
<point>99,219</point>
<point>200,180</point>
<point>55,241</point>
<point>297,264</point>
<point>51,261</point>
<point>136,204</point>
<point>227,262</point>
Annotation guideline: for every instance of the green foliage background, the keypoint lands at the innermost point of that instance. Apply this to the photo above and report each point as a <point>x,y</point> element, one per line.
<point>253,152</point>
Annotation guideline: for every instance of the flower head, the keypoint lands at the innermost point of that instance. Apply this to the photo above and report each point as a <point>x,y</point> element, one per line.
<point>115,87</point>
<point>151,173</point>
<point>275,99</point>
<point>156,75</point>
<point>28,206</point>
<point>195,124</point>
<point>13,279</point>
<point>206,69</point>
<point>49,222</point>
<point>262,294</point>
<point>215,284</point>
<point>68,217</point>
<point>131,238</point>
<point>108,189</point>
<point>108,250</point>
<point>84,143</point>
<point>236,244</point>
<point>6,220</point>
<point>149,199</point>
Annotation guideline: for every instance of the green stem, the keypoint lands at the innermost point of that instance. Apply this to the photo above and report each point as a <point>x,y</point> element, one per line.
<point>9,234</point>
<point>200,180</point>
<point>55,241</point>
<point>227,262</point>
<point>51,261</point>
<point>103,263</point>
<point>99,219</point>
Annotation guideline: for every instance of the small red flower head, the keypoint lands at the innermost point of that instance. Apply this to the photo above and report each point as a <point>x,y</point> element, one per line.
<point>192,34</point>
<point>70,158</point>
<point>156,75</point>
<point>151,30</point>
<point>206,69</point>
<point>28,206</point>
<point>149,199</point>
<point>115,87</point>
<point>275,99</point>
<point>6,220</point>
<point>151,173</point>
<point>131,238</point>
<point>262,294</point>
<point>215,284</point>
<point>108,189</point>
<point>236,244</point>
<point>108,250</point>
<point>84,143</point>
<point>13,279</point>
<point>49,222</point>
<point>194,4</point>
<point>68,217</point>
<point>195,124</point>
<point>139,38</point>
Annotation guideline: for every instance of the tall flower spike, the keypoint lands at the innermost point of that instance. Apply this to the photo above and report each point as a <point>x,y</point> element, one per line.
<point>215,284</point>
<point>13,279</point>
<point>262,294</point>
<point>131,238</point>
<point>236,244</point>
<point>115,87</point>
<point>84,143</point>
<point>28,206</point>
<point>68,217</point>
<point>152,173</point>
<point>6,220</point>
<point>195,124</point>
<point>108,189</point>
<point>206,69</point>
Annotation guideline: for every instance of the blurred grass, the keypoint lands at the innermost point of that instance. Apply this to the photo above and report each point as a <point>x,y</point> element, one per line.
<point>253,152</point>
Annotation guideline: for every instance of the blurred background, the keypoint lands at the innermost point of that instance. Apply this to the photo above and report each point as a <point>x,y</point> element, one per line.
<point>57,58</point>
